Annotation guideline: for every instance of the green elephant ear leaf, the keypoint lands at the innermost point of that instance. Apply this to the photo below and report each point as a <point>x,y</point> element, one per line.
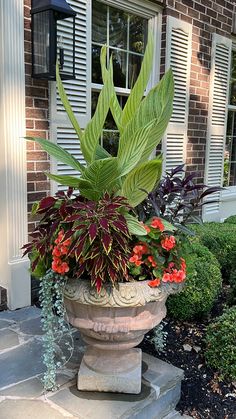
<point>138,90</point>
<point>65,180</point>
<point>134,226</point>
<point>162,111</point>
<point>141,180</point>
<point>103,174</point>
<point>101,153</point>
<point>58,153</point>
<point>94,128</point>
<point>145,129</point>
<point>114,104</point>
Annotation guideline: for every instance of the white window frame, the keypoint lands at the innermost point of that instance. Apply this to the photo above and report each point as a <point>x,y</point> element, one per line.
<point>153,13</point>
<point>143,8</point>
<point>229,193</point>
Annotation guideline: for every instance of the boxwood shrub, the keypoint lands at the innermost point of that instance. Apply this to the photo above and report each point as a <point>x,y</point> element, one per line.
<point>221,344</point>
<point>202,287</point>
<point>220,239</point>
<point>230,220</point>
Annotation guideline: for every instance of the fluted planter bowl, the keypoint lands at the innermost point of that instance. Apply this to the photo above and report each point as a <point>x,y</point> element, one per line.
<point>112,323</point>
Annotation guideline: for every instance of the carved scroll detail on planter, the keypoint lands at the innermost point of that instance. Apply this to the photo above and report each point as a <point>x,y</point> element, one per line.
<point>129,293</point>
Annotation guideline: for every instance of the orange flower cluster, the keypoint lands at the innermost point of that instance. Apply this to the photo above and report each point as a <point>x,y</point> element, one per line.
<point>175,275</point>
<point>168,243</point>
<point>157,223</point>
<point>171,274</point>
<point>61,249</point>
<point>138,251</point>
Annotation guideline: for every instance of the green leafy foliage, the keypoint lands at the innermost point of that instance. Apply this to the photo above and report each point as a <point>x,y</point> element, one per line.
<point>203,284</point>
<point>58,153</point>
<point>141,124</point>
<point>220,239</point>
<point>231,220</point>
<point>141,180</point>
<point>220,344</point>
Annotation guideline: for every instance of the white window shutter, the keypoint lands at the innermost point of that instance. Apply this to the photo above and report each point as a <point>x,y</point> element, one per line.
<point>217,121</point>
<point>78,90</point>
<point>178,57</point>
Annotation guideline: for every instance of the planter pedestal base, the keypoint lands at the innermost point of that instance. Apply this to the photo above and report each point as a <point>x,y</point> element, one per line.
<point>111,371</point>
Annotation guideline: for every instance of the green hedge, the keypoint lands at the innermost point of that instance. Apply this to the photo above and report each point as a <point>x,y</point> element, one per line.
<point>203,285</point>
<point>220,239</point>
<point>231,220</point>
<point>221,344</point>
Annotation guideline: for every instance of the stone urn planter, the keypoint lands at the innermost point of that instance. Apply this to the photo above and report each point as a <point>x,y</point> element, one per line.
<point>112,324</point>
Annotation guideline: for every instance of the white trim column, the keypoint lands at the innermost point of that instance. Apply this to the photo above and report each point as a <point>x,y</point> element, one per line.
<point>14,274</point>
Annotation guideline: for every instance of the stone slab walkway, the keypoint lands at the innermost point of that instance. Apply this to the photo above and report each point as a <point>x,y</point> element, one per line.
<point>21,369</point>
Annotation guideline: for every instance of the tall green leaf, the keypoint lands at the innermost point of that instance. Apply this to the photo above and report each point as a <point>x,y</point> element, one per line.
<point>66,104</point>
<point>114,105</point>
<point>130,152</point>
<point>148,124</point>
<point>58,153</point>
<point>134,226</point>
<point>94,128</point>
<point>165,93</point>
<point>138,90</point>
<point>65,180</point>
<point>101,153</point>
<point>103,174</point>
<point>142,178</point>
<point>85,187</point>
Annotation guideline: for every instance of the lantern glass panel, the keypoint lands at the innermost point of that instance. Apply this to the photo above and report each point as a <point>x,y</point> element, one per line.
<point>41,42</point>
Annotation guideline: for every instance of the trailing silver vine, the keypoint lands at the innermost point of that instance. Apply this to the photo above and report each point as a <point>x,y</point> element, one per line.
<point>54,326</point>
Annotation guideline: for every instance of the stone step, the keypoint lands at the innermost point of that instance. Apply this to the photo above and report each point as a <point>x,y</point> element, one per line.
<point>160,394</point>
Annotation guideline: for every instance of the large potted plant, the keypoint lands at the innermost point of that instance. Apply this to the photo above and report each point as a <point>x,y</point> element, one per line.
<point>91,251</point>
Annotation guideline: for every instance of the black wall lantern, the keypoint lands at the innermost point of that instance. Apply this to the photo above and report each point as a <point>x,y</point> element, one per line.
<point>49,42</point>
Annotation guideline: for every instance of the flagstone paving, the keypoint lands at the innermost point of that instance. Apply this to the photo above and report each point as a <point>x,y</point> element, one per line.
<point>21,392</point>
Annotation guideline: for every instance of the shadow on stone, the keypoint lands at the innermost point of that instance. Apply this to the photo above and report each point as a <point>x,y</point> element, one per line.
<point>91,395</point>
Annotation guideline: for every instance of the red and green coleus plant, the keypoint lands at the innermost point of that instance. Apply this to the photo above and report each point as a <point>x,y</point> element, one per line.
<point>80,238</point>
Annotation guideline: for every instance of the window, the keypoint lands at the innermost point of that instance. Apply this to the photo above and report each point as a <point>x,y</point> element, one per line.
<point>125,35</point>
<point>230,147</point>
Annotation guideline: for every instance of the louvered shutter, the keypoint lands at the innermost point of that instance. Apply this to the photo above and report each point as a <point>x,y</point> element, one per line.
<point>178,57</point>
<point>78,90</point>
<point>217,120</point>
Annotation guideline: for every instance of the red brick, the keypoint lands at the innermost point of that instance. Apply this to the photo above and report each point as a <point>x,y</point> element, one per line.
<point>36,155</point>
<point>36,196</point>
<point>36,176</point>
<point>42,165</point>
<point>42,186</point>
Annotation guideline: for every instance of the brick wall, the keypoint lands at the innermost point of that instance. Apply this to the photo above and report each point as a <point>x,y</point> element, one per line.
<point>36,125</point>
<point>206,17</point>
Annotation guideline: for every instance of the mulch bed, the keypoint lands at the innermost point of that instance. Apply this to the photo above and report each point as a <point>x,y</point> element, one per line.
<point>204,394</point>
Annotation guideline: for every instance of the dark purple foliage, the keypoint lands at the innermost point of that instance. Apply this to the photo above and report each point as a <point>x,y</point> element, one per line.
<point>177,198</point>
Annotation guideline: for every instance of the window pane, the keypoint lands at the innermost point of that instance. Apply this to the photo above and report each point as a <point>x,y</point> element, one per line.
<point>230,151</point>
<point>119,67</point>
<point>99,23</point>
<point>138,34</point>
<point>135,62</point>
<point>110,141</point>
<point>96,67</point>
<point>233,80</point>
<point>118,24</point>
